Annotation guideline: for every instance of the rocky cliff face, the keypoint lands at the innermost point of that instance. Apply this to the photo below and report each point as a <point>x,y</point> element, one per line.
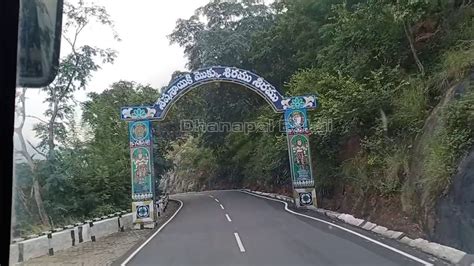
<point>455,211</point>
<point>453,223</point>
<point>450,220</point>
<point>174,183</point>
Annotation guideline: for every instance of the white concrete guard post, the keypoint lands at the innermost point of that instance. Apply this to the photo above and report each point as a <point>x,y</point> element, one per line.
<point>91,229</point>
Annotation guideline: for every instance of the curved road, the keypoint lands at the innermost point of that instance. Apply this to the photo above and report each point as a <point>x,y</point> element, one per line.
<point>235,228</point>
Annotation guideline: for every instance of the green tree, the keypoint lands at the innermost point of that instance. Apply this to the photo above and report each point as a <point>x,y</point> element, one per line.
<point>74,71</point>
<point>107,175</point>
<point>219,32</point>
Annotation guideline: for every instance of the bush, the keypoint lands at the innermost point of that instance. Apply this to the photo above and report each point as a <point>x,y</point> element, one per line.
<point>410,109</point>
<point>102,210</point>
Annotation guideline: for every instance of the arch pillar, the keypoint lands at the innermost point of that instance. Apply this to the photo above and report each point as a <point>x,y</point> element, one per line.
<point>142,173</point>
<point>297,133</point>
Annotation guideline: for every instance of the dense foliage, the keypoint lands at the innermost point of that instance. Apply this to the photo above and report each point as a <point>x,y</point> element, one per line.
<point>382,70</point>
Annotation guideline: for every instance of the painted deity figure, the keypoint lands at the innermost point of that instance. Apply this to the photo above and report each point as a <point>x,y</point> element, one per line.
<point>141,170</point>
<point>140,131</point>
<point>296,121</point>
<point>301,153</point>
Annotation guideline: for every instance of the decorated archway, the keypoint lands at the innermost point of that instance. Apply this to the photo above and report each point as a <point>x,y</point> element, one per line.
<point>139,123</point>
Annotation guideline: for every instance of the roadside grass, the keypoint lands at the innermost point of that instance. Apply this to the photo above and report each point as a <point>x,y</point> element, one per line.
<point>448,147</point>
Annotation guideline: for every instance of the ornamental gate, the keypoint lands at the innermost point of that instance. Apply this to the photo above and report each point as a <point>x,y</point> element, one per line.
<point>141,140</point>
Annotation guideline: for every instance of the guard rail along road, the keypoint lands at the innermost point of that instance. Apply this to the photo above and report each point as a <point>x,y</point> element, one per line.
<point>48,242</point>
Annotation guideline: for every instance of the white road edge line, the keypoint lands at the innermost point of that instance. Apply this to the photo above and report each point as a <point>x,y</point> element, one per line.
<point>216,200</point>
<point>347,230</point>
<point>152,236</point>
<point>228,217</point>
<point>222,207</point>
<point>239,242</point>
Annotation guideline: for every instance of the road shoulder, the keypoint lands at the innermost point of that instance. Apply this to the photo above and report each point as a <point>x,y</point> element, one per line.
<point>172,209</point>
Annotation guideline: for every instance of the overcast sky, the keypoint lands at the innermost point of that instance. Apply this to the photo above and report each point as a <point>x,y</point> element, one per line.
<point>144,54</point>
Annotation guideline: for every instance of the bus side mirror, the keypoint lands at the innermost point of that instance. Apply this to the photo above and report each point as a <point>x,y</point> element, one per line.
<point>39,38</point>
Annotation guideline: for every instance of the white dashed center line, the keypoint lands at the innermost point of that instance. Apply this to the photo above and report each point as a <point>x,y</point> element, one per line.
<point>239,242</point>
<point>216,200</point>
<point>228,218</point>
<point>222,207</point>
<point>211,196</point>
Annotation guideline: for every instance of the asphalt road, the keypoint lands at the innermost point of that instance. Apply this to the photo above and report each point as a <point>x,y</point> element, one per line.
<point>234,228</point>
